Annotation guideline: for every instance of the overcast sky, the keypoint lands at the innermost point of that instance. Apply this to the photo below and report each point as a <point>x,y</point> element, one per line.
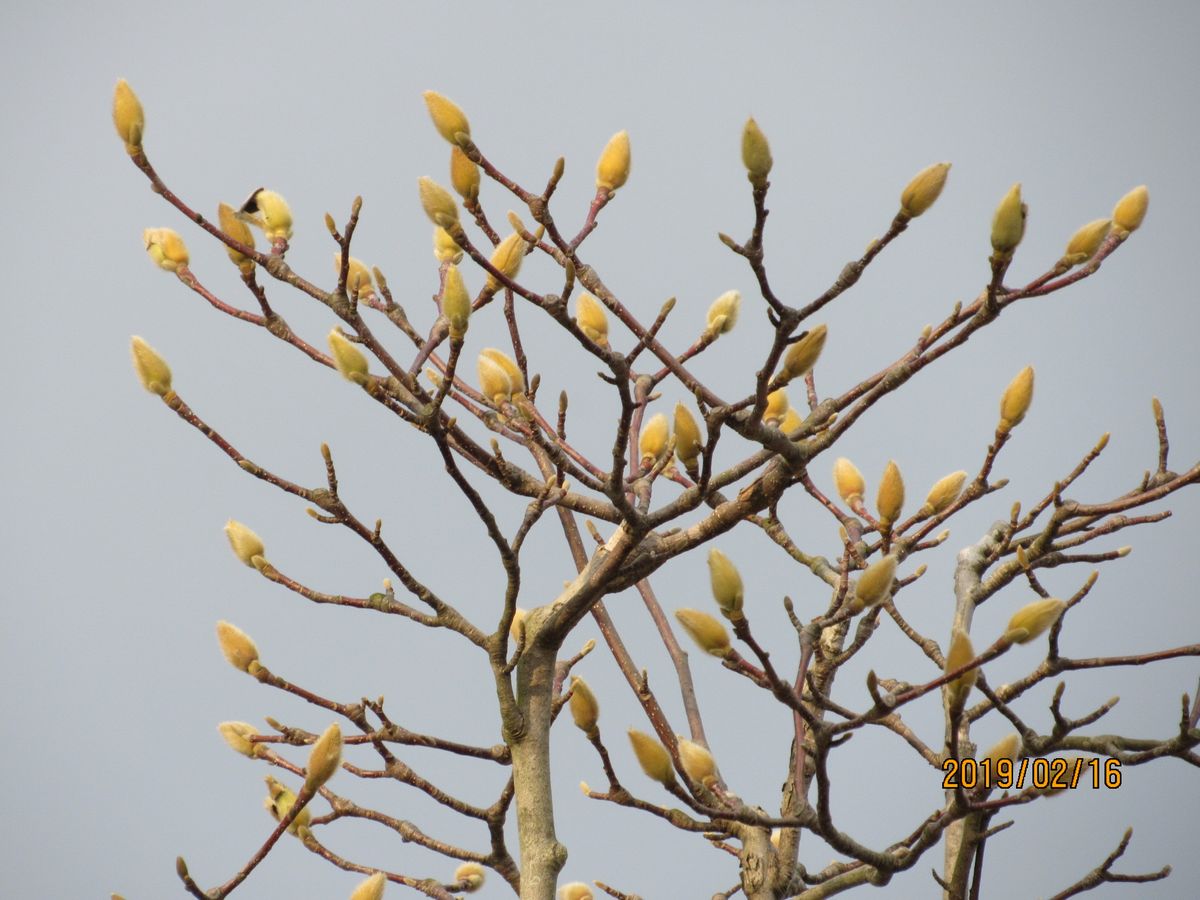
<point>117,569</point>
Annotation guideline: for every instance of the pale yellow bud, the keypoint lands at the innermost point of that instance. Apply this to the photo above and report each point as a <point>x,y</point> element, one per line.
<point>653,441</point>
<point>652,757</point>
<point>437,203</point>
<point>448,119</point>
<point>723,313</point>
<point>237,646</point>
<point>128,117</point>
<point>1131,210</point>
<point>456,302</point>
<point>803,354</point>
<point>792,420</point>
<point>848,480</point>
<point>464,175</point>
<point>275,213</point>
<point>510,368</point>
<point>240,232</point>
<point>576,890</point>
<point>152,370</point>
<point>687,436</point>
<point>960,653</point>
<point>348,359</point>
<point>890,499</point>
<point>279,802</point>
<point>507,259</point>
<point>517,628</point>
<point>1008,223</point>
<point>445,248</point>
<point>756,153</point>
<point>925,187</point>
<point>708,633</point>
<point>494,382</point>
<point>697,762</point>
<point>237,735</point>
<point>358,276</point>
<point>776,408</point>
<point>874,585</point>
<point>470,875</point>
<point>166,248</point>
<point>592,319</point>
<point>1034,619</point>
<point>1017,397</point>
<point>371,888</point>
<point>612,171</point>
<point>246,545</point>
<point>944,493</point>
<point>585,709</point>
<point>726,585</point>
<point>1006,748</point>
<point>325,758</point>
<point>1086,241</point>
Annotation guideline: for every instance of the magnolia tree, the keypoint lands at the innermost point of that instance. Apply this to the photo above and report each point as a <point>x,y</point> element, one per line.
<point>658,494</point>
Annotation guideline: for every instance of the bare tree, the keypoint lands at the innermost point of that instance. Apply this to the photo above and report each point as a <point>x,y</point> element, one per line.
<point>618,531</point>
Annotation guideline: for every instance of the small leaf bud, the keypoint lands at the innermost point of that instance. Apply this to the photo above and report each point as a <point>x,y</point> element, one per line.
<point>1033,619</point>
<point>237,646</point>
<point>348,359</point>
<point>1008,223</point>
<point>152,370</point>
<point>924,189</point>
<point>756,153</point>
<point>324,759</point>
<point>726,583</point>
<point>456,302</point>
<point>448,119</point>
<point>612,171</point>
<point>592,319</point>
<point>708,633</point>
<point>585,709</point>
<point>803,354</point>
<point>1131,210</point>
<point>128,117</point>
<point>166,248</point>
<point>848,480</point>
<point>652,757</point>
<point>1016,400</point>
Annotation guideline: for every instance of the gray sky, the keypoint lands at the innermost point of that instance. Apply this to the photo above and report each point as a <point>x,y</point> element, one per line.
<point>117,567</point>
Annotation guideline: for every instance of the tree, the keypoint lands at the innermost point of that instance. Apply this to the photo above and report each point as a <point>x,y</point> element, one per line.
<point>663,492</point>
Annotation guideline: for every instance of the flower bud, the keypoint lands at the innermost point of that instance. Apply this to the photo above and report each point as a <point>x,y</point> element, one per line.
<point>1017,397</point>
<point>437,203</point>
<point>890,499</point>
<point>464,175</point>
<point>874,585</point>
<point>653,441</point>
<point>1008,223</point>
<point>237,646</point>
<point>371,888</point>
<point>1085,242</point>
<point>803,354</point>
<point>279,802</point>
<point>960,653</point>
<point>926,186</point>
<point>585,710</point>
<point>245,543</point>
<point>517,628</point>
<point>456,302</point>
<point>166,248</point>
<point>237,735</point>
<point>1131,210</point>
<point>507,259</point>
<point>494,382</point>
<point>652,757</point>
<point>708,633</point>
<point>1006,748</point>
<point>445,248</point>
<point>1033,619</point>
<point>324,759</point>
<point>152,370</point>
<point>240,232</point>
<point>723,313</point>
<point>791,421</point>
<point>612,171</point>
<point>128,116</point>
<point>358,277</point>
<point>943,493</point>
<point>848,481</point>
<point>776,408</point>
<point>697,762</point>
<point>687,436</point>
<point>348,359</point>
<point>274,212</point>
<point>510,368</point>
<point>592,319</point>
<point>576,890</point>
<point>470,876</point>
<point>756,153</point>
<point>726,585</point>
<point>448,119</point>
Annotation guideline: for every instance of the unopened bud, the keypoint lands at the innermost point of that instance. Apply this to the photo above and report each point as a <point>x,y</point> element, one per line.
<point>1034,619</point>
<point>848,480</point>
<point>464,175</point>
<point>510,368</point>
<point>585,709</point>
<point>448,119</point>
<point>960,653</point>
<point>456,302</point>
<point>517,627</point>
<point>943,493</point>
<point>237,646</point>
<point>612,171</point>
<point>494,382</point>
<point>152,370</point>
<point>1008,223</point>
<point>240,232</point>
<point>756,153</point>
<point>1085,242</point>
<point>726,583</point>
<point>371,888</point>
<point>358,277</point>
<point>874,585</point>
<point>166,248</point>
<point>776,408</point>
<point>445,248</point>
<point>279,802</point>
<point>469,876</point>
<point>687,436</point>
<point>1017,397</point>
<point>128,117</point>
<point>246,545</point>
<point>652,757</point>
<point>274,214</point>
<point>890,499</point>
<point>592,319</point>
<point>653,441</point>
<point>697,762</point>
<point>1006,748</point>
<point>925,187</point>
<point>576,890</point>
<point>348,359</point>
<point>437,203</point>
<point>324,759</point>
<point>237,735</point>
<point>1131,210</point>
<point>507,259</point>
<point>803,354</point>
<point>708,633</point>
<point>723,313</point>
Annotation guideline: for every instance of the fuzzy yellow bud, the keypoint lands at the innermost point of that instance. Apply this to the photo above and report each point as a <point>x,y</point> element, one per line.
<point>1131,210</point>
<point>1006,748</point>
<point>237,735</point>
<point>653,441</point>
<point>437,203</point>
<point>274,214</point>
<point>507,259</point>
<point>890,499</point>
<point>848,480</point>
<point>1034,619</point>
<point>348,359</point>
<point>494,382</point>
<point>723,313</point>
<point>152,370</point>
<point>592,319</point>
<point>726,582</point>
<point>585,709</point>
<point>776,408</point>
<point>166,248</point>
<point>279,802</point>
<point>469,876</point>
<point>960,653</point>
<point>944,493</point>
<point>325,758</point>
<point>874,585</point>
<point>792,420</point>
<point>240,232</point>
<point>1085,242</point>
<point>697,762</point>
<point>1008,223</point>
<point>510,368</point>
<point>246,545</point>
<point>708,633</point>
<point>128,116</point>
<point>358,277</point>
<point>576,890</point>
<point>687,436</point>
<point>456,302</point>
<point>652,757</point>
<point>445,248</point>
<point>924,189</point>
<point>237,646</point>
<point>448,119</point>
<point>1017,397</point>
<point>371,888</point>
<point>612,171</point>
<point>756,153</point>
<point>464,175</point>
<point>803,354</point>
<point>517,627</point>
